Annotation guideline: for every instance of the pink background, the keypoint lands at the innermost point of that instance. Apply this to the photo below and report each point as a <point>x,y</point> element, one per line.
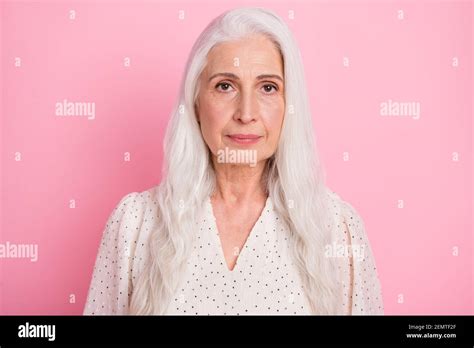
<point>390,158</point>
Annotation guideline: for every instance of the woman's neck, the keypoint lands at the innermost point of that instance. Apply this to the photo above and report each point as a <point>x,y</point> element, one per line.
<point>239,183</point>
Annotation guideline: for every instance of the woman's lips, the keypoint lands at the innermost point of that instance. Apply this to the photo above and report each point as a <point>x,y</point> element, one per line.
<point>245,138</point>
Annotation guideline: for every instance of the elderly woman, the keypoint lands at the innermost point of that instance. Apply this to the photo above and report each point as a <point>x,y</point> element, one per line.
<point>242,222</point>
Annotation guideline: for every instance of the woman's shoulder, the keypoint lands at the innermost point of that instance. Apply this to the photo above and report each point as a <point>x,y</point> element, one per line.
<point>121,252</point>
<point>359,271</point>
<point>343,210</point>
<point>349,223</point>
<point>130,224</point>
<point>134,212</point>
<point>134,205</point>
<point>138,199</point>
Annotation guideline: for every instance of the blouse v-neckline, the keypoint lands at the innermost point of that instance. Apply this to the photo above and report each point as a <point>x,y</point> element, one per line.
<point>248,241</point>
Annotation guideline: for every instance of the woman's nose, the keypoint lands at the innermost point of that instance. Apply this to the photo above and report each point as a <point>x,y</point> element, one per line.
<point>247,107</point>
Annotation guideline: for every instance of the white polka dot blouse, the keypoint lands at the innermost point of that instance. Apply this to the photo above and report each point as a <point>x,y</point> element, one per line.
<point>263,281</point>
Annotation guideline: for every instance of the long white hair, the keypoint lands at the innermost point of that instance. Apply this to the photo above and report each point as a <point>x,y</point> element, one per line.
<point>295,180</point>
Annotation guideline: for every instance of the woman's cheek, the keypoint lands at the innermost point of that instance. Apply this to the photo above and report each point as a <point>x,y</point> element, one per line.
<point>273,121</point>
<point>215,122</point>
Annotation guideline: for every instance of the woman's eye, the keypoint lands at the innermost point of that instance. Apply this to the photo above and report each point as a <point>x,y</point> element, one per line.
<point>268,88</point>
<point>224,86</point>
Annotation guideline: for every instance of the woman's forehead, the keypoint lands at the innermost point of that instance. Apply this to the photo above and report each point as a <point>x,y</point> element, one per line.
<point>256,53</point>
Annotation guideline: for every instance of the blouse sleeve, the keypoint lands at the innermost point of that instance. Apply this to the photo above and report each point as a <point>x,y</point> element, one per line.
<point>362,293</point>
<point>111,282</point>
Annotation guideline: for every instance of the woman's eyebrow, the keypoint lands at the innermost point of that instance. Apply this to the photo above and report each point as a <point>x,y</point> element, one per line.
<point>235,77</point>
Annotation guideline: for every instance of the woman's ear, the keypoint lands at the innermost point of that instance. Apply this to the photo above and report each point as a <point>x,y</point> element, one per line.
<point>196,112</point>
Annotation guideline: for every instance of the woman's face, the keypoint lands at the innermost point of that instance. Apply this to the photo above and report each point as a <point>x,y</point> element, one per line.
<point>241,101</point>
